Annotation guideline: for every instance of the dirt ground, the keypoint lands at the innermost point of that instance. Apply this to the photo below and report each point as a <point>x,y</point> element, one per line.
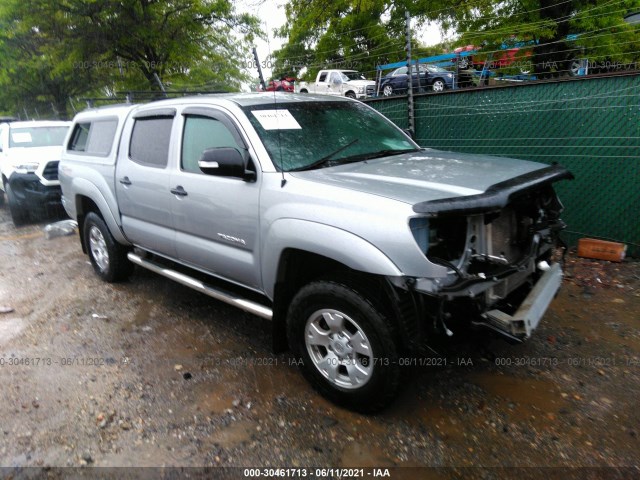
<point>150,373</point>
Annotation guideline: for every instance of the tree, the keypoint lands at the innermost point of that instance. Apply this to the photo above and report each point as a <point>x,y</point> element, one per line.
<point>370,32</point>
<point>353,34</point>
<point>52,50</point>
<point>37,74</point>
<point>181,42</point>
<point>555,32</point>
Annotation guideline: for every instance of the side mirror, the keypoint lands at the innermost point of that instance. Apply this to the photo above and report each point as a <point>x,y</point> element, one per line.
<point>225,162</point>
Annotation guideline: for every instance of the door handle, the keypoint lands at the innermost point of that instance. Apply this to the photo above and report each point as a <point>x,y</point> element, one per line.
<point>125,181</point>
<point>179,191</point>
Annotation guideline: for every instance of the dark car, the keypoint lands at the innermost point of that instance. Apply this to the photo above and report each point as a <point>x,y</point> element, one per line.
<point>432,78</point>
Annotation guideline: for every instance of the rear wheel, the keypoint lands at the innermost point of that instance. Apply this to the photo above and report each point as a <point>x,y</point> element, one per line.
<point>108,257</point>
<point>19,213</point>
<point>346,345</point>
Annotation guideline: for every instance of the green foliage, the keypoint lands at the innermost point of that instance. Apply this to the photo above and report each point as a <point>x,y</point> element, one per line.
<point>54,50</point>
<point>556,31</point>
<point>351,34</point>
<point>363,33</point>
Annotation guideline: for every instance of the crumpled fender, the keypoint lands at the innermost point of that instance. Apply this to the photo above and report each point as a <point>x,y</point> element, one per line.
<point>331,242</point>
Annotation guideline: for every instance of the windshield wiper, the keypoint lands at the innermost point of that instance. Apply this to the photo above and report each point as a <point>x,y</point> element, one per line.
<point>326,159</point>
<point>380,153</point>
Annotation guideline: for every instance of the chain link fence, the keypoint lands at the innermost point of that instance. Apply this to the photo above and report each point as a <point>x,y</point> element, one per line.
<point>589,125</point>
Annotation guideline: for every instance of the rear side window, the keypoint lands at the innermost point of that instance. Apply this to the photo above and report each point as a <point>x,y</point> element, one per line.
<point>93,138</point>
<point>150,141</point>
<point>78,142</point>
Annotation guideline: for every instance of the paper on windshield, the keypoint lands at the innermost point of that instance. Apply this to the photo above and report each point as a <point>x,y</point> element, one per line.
<point>21,137</point>
<point>276,119</point>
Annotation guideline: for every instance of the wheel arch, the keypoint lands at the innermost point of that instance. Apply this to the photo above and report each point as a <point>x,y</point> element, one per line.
<point>88,198</point>
<point>287,269</point>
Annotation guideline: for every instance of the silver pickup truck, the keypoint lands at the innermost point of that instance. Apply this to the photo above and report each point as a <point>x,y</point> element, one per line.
<point>319,214</point>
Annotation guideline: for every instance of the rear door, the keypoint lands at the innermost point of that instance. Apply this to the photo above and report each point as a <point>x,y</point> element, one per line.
<point>215,218</point>
<point>142,181</point>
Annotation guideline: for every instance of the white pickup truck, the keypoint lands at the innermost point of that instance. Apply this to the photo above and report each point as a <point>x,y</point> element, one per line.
<point>348,83</point>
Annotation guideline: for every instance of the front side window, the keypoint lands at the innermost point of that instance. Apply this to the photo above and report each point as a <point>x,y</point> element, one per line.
<point>200,134</point>
<point>150,141</point>
<point>300,135</point>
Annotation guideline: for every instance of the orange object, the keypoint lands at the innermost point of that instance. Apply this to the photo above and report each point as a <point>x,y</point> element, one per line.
<point>601,250</point>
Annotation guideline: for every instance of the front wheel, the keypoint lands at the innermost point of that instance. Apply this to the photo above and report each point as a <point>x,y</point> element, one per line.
<point>387,90</point>
<point>108,257</point>
<point>574,68</point>
<point>346,345</point>
<point>350,95</point>
<point>19,214</point>
<point>438,85</point>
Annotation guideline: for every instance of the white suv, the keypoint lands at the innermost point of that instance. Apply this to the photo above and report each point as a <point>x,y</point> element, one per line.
<point>29,157</point>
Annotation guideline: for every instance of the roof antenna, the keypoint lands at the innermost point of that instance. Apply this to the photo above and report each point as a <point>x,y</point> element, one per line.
<point>283,182</point>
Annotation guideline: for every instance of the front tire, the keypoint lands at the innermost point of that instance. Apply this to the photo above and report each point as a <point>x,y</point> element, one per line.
<point>350,95</point>
<point>19,214</point>
<point>387,90</point>
<point>438,85</point>
<point>108,257</point>
<point>346,345</point>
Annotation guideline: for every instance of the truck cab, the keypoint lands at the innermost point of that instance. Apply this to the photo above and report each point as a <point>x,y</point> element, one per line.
<point>347,83</point>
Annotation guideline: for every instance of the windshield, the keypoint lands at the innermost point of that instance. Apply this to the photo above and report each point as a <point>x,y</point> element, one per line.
<point>299,135</point>
<point>37,136</point>
<point>346,76</point>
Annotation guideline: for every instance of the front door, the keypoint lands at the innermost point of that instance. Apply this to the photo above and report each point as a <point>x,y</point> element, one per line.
<point>216,218</point>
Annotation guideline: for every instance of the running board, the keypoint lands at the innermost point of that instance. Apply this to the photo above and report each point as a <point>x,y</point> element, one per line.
<point>217,293</point>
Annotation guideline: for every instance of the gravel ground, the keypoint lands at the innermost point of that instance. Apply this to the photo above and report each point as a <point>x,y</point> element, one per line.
<point>149,373</point>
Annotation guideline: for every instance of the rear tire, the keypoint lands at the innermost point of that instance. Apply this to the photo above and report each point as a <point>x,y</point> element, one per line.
<point>346,345</point>
<point>19,214</point>
<point>108,257</point>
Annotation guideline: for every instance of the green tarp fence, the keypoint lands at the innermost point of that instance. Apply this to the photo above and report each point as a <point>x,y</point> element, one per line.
<point>590,125</point>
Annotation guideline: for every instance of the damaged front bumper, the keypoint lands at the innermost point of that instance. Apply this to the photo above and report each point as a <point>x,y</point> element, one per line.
<point>497,248</point>
<point>527,317</point>
<point>32,194</point>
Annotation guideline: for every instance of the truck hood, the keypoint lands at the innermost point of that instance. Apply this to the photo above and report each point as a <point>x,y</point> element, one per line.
<point>423,176</point>
<point>361,83</point>
<point>17,156</point>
